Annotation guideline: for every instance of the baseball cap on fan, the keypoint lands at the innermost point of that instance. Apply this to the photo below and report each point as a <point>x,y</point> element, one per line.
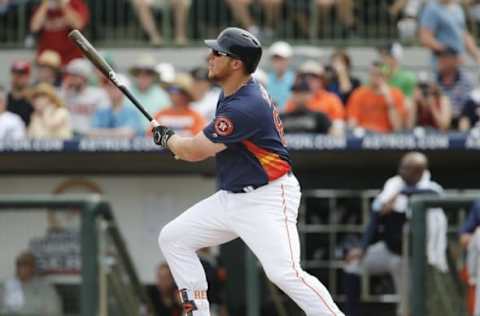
<point>311,67</point>
<point>20,67</point>
<point>79,67</point>
<point>281,49</point>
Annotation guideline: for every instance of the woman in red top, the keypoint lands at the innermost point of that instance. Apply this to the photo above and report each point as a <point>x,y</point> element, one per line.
<point>430,108</point>
<point>53,20</point>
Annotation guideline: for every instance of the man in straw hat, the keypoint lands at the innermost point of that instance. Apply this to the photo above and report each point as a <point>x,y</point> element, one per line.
<point>50,118</point>
<point>48,68</point>
<point>145,85</point>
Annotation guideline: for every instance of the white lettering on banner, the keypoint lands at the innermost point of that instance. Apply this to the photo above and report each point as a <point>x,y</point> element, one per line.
<point>104,145</point>
<point>33,145</point>
<point>388,141</point>
<point>300,141</point>
<point>329,142</point>
<point>378,142</point>
<point>145,144</point>
<point>433,142</point>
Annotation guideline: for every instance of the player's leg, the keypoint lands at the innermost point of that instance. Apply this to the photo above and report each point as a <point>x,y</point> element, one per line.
<point>266,221</point>
<point>202,225</point>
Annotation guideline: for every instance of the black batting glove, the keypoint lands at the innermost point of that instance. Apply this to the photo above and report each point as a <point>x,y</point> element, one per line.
<point>161,135</point>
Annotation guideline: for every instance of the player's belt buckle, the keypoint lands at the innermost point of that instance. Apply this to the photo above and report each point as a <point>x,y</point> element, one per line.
<point>248,189</point>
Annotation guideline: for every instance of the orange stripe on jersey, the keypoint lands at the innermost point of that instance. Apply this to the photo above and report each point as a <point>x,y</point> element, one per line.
<point>274,166</point>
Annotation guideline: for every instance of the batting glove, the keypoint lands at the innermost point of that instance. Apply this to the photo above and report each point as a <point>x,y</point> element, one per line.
<point>161,135</point>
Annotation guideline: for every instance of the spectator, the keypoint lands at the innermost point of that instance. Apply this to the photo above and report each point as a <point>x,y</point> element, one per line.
<point>180,13</point>
<point>18,102</point>
<point>430,107</point>
<point>281,78</point>
<point>455,83</point>
<point>180,116</point>
<point>322,100</point>
<point>299,119</point>
<point>404,80</point>
<point>12,127</point>
<point>301,10</point>
<point>27,293</point>
<point>48,68</point>
<point>205,94</point>
<point>271,8</point>
<point>388,216</point>
<point>339,78</point>
<point>119,118</point>
<point>50,119</point>
<point>144,87</point>
<point>164,294</point>
<point>53,20</point>
<point>377,107</point>
<point>470,115</point>
<point>407,11</point>
<point>442,26</point>
<point>344,10</point>
<point>81,99</point>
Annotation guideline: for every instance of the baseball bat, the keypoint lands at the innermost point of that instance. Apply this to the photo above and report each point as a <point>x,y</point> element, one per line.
<point>91,53</point>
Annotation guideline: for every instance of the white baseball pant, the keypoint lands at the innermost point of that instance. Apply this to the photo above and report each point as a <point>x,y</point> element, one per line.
<point>265,219</point>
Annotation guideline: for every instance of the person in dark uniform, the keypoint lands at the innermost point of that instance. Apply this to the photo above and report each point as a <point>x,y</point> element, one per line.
<point>258,195</point>
<point>18,101</point>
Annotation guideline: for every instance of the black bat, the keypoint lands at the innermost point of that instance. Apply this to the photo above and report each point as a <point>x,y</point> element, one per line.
<point>91,53</point>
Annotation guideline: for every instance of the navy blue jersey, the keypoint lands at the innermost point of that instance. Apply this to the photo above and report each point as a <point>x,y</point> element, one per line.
<point>249,125</point>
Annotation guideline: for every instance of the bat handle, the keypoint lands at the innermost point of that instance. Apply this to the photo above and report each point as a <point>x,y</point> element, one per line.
<point>154,123</point>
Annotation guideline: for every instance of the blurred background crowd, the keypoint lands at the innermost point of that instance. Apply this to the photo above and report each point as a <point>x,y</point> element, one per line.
<point>59,94</point>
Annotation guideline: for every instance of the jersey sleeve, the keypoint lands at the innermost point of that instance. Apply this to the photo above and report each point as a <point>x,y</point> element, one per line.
<point>230,126</point>
<point>429,19</point>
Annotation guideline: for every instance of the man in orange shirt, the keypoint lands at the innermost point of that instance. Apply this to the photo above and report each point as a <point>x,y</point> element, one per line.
<point>377,107</point>
<point>321,100</point>
<point>180,116</point>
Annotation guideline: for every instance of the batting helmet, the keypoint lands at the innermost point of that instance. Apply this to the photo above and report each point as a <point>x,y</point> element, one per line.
<point>239,44</point>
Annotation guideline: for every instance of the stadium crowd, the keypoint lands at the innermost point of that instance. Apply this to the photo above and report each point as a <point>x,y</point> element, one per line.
<point>61,95</point>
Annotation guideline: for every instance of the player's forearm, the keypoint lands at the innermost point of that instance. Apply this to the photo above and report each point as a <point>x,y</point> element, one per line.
<point>428,40</point>
<point>395,119</point>
<point>74,19</point>
<point>185,148</point>
<point>39,18</point>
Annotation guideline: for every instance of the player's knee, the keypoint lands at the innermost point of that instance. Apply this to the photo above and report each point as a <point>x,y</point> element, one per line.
<point>280,277</point>
<point>166,237</point>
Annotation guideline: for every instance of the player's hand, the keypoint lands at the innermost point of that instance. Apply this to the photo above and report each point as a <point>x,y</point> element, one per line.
<point>161,135</point>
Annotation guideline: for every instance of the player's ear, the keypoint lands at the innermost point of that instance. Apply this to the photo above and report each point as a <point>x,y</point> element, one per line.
<point>237,64</point>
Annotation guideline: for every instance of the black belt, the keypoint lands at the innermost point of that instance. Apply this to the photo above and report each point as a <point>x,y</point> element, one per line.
<point>250,188</point>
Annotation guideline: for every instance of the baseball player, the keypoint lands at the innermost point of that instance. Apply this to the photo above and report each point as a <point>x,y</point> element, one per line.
<point>258,195</point>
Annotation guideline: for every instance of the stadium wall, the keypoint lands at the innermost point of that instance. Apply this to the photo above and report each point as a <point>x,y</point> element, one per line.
<point>142,206</point>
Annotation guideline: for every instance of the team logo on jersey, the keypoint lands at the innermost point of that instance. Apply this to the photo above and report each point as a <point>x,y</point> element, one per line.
<point>223,126</point>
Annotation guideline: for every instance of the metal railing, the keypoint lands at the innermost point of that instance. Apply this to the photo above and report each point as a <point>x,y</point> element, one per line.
<point>92,208</point>
<point>116,22</point>
<point>419,295</point>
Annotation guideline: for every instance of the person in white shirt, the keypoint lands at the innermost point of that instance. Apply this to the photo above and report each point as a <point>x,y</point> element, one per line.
<point>27,293</point>
<point>12,127</point>
<point>389,214</point>
<point>81,99</point>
